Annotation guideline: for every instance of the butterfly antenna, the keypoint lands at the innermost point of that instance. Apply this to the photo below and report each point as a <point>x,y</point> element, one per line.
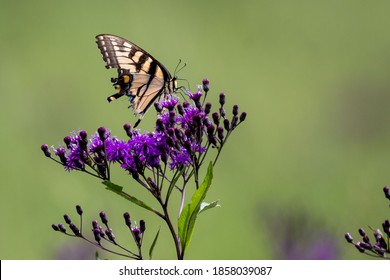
<point>177,66</point>
<point>177,69</point>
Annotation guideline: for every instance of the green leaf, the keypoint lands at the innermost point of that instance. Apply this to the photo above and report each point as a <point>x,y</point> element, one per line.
<point>118,190</point>
<point>188,216</point>
<point>153,244</point>
<point>183,225</point>
<point>206,206</point>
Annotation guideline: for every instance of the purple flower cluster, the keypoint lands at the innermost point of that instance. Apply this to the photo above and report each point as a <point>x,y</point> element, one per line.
<point>79,152</point>
<point>381,246</point>
<point>183,134</point>
<point>100,234</point>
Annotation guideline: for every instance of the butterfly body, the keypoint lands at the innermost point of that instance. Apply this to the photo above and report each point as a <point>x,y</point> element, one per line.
<point>140,76</point>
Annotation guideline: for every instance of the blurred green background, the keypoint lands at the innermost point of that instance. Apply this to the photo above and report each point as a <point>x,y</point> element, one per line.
<point>308,164</point>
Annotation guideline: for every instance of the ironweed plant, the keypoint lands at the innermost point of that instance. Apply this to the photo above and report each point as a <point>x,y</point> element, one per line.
<point>380,246</point>
<point>187,138</point>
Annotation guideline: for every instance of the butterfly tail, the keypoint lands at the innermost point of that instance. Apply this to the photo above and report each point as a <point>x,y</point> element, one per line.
<point>138,121</point>
<point>115,96</point>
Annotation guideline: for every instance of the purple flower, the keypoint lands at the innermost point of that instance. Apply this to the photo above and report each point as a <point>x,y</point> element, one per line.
<point>179,158</point>
<point>116,150</point>
<point>169,103</point>
<point>195,96</point>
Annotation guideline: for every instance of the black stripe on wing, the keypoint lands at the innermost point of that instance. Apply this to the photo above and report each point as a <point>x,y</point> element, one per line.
<point>120,53</point>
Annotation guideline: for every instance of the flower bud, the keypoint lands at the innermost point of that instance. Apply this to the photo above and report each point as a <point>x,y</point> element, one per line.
<point>60,152</point>
<point>75,230</point>
<point>197,120</point>
<point>235,110</point>
<point>137,234</point>
<point>172,115</point>
<point>222,112</point>
<point>226,124</point>
<point>142,225</point>
<point>83,135</point>
<point>103,216</point>
<point>210,129</point>
<point>186,104</point>
<point>127,128</point>
<point>180,109</point>
<point>386,190</point>
<point>110,234</point>
<point>222,99</point>
<point>178,134</point>
<point>365,245</point>
<point>212,139</point>
<point>206,122</point>
<point>102,133</point>
<point>170,142</point>
<point>62,228</point>
<point>159,125</point>
<point>242,116</point>
<point>234,121</point>
<point>207,108</point>
<point>45,149</point>
<point>158,107</point>
<point>95,224</point>
<point>348,237</point>
<point>96,233</point>
<point>187,146</point>
<point>206,85</point>
<point>79,210</point>
<point>67,141</point>
<point>359,247</point>
<point>127,218</point>
<point>101,232</point>
<point>215,117</point>
<point>67,219</point>
<point>220,133</point>
<point>386,227</point>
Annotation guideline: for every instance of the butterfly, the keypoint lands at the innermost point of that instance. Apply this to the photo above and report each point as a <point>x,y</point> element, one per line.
<point>141,77</point>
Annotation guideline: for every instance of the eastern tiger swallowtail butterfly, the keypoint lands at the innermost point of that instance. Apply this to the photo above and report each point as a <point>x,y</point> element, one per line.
<point>140,76</point>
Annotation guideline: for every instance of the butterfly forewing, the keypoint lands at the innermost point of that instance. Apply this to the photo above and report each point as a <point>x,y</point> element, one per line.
<point>122,54</point>
<point>140,76</point>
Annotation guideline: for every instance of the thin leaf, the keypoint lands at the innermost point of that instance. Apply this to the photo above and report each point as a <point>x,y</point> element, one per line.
<point>190,212</point>
<point>118,190</point>
<point>153,244</point>
<point>206,206</point>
